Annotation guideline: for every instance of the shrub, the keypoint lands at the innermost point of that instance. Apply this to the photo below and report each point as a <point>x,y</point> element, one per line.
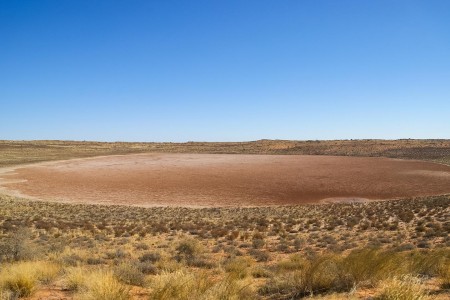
<point>188,250</point>
<point>259,272</point>
<point>16,246</point>
<point>258,243</point>
<point>141,246</point>
<point>150,257</point>
<point>147,268</point>
<point>298,243</point>
<point>260,256</point>
<point>94,261</point>
<point>129,274</point>
<point>118,254</point>
<point>71,259</point>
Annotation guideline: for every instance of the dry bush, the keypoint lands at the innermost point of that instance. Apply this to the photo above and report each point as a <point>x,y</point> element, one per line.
<point>129,273</point>
<point>190,251</point>
<point>259,256</point>
<point>150,257</point>
<point>16,246</point>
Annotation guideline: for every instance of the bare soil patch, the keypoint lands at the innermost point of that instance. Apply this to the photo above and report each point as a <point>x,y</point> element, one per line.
<point>226,180</point>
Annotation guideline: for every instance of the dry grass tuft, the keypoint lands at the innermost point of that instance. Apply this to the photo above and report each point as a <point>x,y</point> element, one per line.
<point>102,285</point>
<point>444,276</point>
<point>75,279</point>
<point>402,288</point>
<point>184,285</point>
<point>21,279</point>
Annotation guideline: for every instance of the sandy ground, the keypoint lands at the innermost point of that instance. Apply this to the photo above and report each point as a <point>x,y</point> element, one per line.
<point>225,180</point>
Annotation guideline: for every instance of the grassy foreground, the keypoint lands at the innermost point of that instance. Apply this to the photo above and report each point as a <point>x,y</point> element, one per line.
<point>397,249</point>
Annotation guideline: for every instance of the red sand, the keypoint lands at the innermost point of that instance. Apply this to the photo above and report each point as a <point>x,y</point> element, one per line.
<point>224,180</point>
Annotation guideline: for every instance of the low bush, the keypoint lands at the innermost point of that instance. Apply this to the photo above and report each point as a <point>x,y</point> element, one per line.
<point>129,273</point>
<point>188,250</point>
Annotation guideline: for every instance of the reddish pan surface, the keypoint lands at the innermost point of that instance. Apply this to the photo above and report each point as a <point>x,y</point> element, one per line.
<point>224,180</point>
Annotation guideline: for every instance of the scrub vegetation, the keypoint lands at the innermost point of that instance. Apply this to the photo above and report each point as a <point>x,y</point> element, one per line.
<point>391,249</point>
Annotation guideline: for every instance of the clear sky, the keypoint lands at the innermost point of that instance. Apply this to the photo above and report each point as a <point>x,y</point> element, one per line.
<point>224,70</point>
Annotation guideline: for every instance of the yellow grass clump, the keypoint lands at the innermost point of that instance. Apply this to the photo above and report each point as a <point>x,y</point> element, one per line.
<point>75,279</point>
<point>444,275</point>
<point>102,285</point>
<point>21,279</point>
<point>184,285</point>
<point>402,288</point>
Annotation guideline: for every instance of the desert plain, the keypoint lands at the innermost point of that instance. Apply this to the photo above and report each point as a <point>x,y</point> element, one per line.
<point>217,180</point>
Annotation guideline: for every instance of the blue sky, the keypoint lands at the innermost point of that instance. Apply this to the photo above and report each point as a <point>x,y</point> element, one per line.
<point>224,70</point>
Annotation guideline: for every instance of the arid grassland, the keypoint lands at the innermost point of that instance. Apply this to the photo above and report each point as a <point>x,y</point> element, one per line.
<point>393,249</point>
<point>117,252</point>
